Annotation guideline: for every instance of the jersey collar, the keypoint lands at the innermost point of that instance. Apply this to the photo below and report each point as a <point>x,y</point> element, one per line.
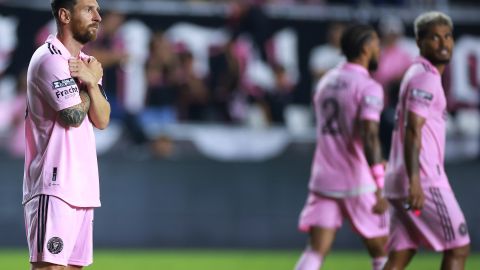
<point>425,61</point>
<point>58,46</point>
<point>356,68</point>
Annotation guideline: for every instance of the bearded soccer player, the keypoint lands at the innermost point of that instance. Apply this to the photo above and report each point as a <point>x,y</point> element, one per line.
<point>426,211</point>
<point>64,103</point>
<point>347,171</point>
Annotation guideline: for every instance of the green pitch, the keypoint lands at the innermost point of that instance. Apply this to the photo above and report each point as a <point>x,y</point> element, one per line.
<point>223,260</point>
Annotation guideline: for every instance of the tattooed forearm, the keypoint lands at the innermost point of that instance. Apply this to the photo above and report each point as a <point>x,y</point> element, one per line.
<point>74,115</point>
<point>371,142</point>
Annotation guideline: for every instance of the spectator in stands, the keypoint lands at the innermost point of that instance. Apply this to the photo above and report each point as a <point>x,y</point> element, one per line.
<point>109,50</point>
<point>372,2</point>
<point>391,31</point>
<point>327,56</point>
<point>389,2</point>
<point>16,136</point>
<point>295,2</point>
<point>164,77</point>
<point>163,83</point>
<point>394,61</point>
<point>249,17</point>
<point>224,80</point>
<point>278,98</point>
<point>194,93</point>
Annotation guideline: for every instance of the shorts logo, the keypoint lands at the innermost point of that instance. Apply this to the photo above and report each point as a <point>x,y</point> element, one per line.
<point>55,245</point>
<point>462,229</point>
<point>63,83</point>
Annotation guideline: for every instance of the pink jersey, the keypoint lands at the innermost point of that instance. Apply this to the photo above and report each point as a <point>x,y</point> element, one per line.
<point>344,96</point>
<point>59,161</point>
<point>421,92</point>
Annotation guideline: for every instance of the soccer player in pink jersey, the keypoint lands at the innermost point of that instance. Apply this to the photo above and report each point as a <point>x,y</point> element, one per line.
<point>425,210</point>
<point>347,170</point>
<point>64,103</point>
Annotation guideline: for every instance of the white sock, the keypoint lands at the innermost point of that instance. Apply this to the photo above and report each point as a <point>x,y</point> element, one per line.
<point>310,260</point>
<point>379,263</point>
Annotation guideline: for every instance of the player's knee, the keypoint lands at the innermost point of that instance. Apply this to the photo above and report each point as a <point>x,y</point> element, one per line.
<point>378,250</point>
<point>461,252</point>
<point>377,246</point>
<point>398,260</point>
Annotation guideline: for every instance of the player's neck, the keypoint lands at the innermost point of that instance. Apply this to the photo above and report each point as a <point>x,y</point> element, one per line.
<point>440,68</point>
<point>72,45</point>
<point>360,61</point>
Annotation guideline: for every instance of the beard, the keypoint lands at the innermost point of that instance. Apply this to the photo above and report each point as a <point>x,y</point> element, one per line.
<point>373,64</point>
<point>84,35</point>
<point>84,38</point>
<point>439,61</point>
<point>436,59</point>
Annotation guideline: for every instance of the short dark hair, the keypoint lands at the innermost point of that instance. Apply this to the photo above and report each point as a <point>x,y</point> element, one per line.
<point>58,4</point>
<point>425,20</point>
<point>354,38</point>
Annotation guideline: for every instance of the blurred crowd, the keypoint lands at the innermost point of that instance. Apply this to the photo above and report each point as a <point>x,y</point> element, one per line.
<point>350,2</point>
<point>154,78</point>
<point>243,73</point>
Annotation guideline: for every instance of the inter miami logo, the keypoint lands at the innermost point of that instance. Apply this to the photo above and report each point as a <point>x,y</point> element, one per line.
<point>462,229</point>
<point>55,245</point>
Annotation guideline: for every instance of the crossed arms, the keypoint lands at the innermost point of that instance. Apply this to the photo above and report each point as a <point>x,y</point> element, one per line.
<point>93,103</point>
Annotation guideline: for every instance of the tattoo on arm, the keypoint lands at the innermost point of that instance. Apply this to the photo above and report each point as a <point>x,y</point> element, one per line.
<point>74,116</point>
<point>371,142</point>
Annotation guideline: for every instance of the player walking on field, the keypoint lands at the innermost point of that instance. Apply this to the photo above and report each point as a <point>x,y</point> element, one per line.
<point>64,103</point>
<point>347,170</point>
<point>416,178</point>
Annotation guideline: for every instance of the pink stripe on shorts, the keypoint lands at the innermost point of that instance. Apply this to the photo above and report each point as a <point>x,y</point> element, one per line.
<point>440,226</point>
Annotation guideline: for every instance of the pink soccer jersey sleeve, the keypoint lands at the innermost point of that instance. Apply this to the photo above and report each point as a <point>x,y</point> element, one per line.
<point>420,95</point>
<point>57,85</point>
<point>371,103</point>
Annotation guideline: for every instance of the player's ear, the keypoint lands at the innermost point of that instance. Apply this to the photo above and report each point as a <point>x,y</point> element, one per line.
<point>366,49</point>
<point>64,15</point>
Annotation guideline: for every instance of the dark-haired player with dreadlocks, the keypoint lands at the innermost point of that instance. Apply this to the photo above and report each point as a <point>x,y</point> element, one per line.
<point>347,170</point>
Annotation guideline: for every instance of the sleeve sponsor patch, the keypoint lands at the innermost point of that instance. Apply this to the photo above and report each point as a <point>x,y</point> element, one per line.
<point>67,93</point>
<point>63,83</point>
<point>373,101</point>
<point>422,94</point>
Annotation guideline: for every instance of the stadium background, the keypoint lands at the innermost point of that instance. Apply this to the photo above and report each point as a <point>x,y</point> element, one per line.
<point>225,197</point>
